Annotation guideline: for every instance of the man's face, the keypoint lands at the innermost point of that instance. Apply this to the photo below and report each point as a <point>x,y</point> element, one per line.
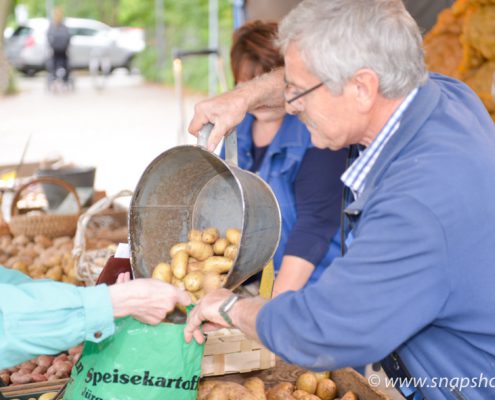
<point>332,120</point>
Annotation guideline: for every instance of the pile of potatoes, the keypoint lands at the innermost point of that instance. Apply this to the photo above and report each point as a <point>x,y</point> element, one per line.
<point>309,386</point>
<point>42,368</point>
<point>40,257</point>
<point>44,258</point>
<point>200,265</point>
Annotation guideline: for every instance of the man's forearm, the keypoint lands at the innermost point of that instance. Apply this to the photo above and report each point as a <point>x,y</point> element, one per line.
<point>266,90</point>
<point>244,315</point>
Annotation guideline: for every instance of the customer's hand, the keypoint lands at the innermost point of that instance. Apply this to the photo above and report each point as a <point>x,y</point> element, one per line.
<point>147,300</point>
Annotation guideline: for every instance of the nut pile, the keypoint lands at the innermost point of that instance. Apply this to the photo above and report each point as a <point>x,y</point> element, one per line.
<point>200,265</point>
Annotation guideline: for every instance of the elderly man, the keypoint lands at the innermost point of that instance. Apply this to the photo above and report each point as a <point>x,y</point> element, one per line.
<point>417,280</point>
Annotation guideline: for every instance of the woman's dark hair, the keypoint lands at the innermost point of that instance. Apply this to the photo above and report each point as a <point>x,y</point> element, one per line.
<point>254,42</point>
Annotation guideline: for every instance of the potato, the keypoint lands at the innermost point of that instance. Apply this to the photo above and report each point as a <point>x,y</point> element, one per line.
<point>54,273</point>
<point>220,246</point>
<point>37,377</point>
<point>231,252</point>
<point>205,388</point>
<point>230,391</point>
<point>307,382</point>
<point>44,361</point>
<point>210,235</point>
<point>256,386</point>
<point>299,394</point>
<point>163,271</point>
<point>281,391</point>
<point>326,389</point>
<point>176,248</point>
<point>195,265</point>
<point>233,235</point>
<point>211,281</point>
<point>199,250</point>
<point>349,396</point>
<point>322,375</point>
<point>178,283</point>
<point>194,235</point>
<point>21,267</point>
<point>20,377</point>
<point>193,281</point>
<point>48,396</point>
<point>179,264</point>
<point>218,264</point>
<point>310,397</point>
<point>5,378</point>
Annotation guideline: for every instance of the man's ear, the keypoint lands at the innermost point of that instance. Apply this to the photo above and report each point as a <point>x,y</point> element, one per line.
<point>365,84</point>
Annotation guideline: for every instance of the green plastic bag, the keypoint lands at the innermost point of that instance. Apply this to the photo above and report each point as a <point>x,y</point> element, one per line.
<point>138,362</point>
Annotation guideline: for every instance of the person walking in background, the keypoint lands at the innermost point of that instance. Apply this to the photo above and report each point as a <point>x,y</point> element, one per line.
<point>58,36</point>
<point>306,180</point>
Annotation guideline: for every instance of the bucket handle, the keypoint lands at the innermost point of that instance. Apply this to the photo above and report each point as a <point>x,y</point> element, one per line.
<point>230,143</point>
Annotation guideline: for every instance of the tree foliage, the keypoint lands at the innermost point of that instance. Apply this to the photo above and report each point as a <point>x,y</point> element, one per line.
<point>186,27</point>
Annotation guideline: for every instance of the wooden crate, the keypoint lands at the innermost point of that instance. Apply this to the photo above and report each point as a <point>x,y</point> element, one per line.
<point>229,351</point>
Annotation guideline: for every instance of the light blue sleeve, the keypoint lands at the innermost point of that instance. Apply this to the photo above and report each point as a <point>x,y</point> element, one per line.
<point>360,309</point>
<point>46,317</point>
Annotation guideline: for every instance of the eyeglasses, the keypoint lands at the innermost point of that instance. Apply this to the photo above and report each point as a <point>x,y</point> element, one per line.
<point>307,91</point>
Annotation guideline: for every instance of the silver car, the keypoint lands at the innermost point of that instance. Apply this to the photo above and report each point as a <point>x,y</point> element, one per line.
<point>28,49</point>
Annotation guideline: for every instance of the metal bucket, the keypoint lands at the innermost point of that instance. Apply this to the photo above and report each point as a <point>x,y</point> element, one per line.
<point>187,187</point>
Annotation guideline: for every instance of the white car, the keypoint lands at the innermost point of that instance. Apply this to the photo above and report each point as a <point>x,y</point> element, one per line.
<point>28,50</point>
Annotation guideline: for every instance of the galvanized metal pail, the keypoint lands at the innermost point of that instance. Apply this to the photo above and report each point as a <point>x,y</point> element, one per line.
<point>187,187</point>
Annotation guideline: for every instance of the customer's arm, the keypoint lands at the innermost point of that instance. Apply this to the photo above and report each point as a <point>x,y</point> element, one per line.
<point>227,110</point>
<point>45,317</point>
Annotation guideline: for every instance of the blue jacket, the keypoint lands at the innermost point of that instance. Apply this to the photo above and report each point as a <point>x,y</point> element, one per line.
<point>46,317</point>
<point>279,169</point>
<point>419,275</point>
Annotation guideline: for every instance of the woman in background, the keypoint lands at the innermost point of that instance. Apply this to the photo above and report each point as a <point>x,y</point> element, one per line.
<point>277,147</point>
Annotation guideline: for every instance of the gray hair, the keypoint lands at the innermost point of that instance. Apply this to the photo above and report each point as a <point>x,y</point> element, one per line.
<point>336,38</point>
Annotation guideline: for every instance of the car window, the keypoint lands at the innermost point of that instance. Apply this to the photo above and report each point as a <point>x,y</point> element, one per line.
<point>83,32</point>
<point>22,31</point>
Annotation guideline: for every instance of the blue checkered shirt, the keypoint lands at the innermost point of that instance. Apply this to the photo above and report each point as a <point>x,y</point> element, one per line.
<point>355,176</point>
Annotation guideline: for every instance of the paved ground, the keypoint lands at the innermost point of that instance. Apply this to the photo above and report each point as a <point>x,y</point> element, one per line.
<point>119,129</point>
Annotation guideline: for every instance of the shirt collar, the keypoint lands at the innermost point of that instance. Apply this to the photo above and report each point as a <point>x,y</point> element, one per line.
<point>355,176</point>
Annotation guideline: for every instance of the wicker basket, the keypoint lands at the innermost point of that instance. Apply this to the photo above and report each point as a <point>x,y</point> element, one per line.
<point>90,263</point>
<point>50,225</point>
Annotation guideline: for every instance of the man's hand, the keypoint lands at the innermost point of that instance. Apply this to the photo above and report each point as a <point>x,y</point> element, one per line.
<point>147,300</point>
<point>227,110</point>
<point>206,310</point>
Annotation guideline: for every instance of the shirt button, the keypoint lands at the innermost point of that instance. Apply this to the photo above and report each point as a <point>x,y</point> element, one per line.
<point>98,334</point>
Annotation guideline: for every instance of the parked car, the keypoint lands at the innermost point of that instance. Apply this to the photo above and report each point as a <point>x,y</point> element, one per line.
<point>28,49</point>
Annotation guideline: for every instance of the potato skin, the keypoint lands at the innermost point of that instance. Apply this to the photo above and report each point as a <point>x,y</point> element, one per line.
<point>194,235</point>
<point>256,386</point>
<point>349,396</point>
<point>231,252</point>
<point>307,382</point>
<point>193,281</point>
<point>210,235</point>
<point>163,271</point>
<point>230,391</point>
<point>179,264</point>
<point>199,250</point>
<point>233,235</point>
<point>326,389</point>
<point>176,248</point>
<point>218,264</point>
<point>212,281</point>
<point>220,246</point>
<point>281,391</point>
